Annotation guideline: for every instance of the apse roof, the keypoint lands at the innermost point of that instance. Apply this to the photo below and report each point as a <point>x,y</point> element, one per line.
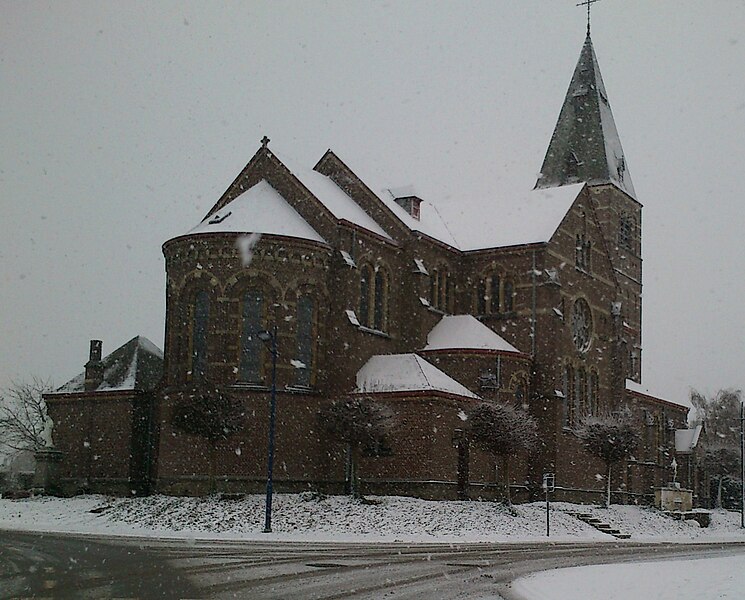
<point>465,332</point>
<point>137,365</point>
<point>585,146</point>
<point>260,209</point>
<point>406,373</point>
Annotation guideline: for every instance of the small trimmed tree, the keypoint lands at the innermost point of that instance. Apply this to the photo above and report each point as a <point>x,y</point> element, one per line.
<point>206,411</point>
<point>611,438</point>
<point>502,430</point>
<point>359,423</point>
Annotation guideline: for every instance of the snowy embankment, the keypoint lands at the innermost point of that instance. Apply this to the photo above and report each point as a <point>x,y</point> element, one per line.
<point>338,518</point>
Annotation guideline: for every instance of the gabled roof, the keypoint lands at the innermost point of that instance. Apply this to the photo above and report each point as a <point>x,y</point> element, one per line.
<point>585,146</point>
<point>430,223</point>
<point>385,373</point>
<point>260,209</point>
<point>465,332</point>
<point>333,197</point>
<point>137,365</point>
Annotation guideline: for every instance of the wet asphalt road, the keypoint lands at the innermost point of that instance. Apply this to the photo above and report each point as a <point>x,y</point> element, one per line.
<point>34,565</point>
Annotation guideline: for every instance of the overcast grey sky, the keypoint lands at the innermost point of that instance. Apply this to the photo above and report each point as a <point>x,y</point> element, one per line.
<point>122,123</point>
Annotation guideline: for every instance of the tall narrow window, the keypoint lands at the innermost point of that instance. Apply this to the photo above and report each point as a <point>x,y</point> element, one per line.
<point>626,231</point>
<point>201,313</point>
<point>443,291</point>
<point>520,395</point>
<point>305,341</point>
<point>379,322</point>
<point>434,286</point>
<point>568,396</point>
<point>593,394</point>
<point>448,296</point>
<point>252,348</point>
<point>365,282</point>
<point>509,296</point>
<point>494,294</point>
<point>481,298</point>
<point>581,393</point>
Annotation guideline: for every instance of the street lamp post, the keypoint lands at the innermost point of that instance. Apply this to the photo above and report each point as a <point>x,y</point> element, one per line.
<point>742,465</point>
<point>266,336</point>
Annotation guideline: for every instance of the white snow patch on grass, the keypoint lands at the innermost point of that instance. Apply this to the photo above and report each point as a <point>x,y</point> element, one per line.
<point>700,579</point>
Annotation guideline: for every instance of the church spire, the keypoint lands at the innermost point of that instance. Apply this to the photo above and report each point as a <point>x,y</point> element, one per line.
<point>585,146</point>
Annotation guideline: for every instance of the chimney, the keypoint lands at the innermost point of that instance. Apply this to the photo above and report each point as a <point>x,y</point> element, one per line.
<point>94,367</point>
<point>411,204</point>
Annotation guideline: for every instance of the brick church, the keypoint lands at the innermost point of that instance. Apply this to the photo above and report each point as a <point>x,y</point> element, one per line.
<point>371,295</point>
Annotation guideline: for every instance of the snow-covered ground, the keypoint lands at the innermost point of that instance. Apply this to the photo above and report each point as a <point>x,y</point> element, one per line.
<point>338,518</point>
<point>701,579</point>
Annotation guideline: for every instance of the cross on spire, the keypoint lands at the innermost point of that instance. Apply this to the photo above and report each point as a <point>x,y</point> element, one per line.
<point>588,3</point>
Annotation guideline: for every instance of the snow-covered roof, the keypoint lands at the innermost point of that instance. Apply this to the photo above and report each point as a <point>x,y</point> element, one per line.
<point>430,223</point>
<point>633,386</point>
<point>260,209</point>
<point>341,205</point>
<point>465,332</point>
<point>406,373</point>
<point>532,217</point>
<point>137,365</point>
<point>687,439</point>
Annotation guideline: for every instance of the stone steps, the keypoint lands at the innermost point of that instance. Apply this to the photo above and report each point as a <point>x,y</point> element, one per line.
<point>601,526</point>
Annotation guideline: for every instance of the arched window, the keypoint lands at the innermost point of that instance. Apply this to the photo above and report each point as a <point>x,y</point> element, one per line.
<point>366,280</point>
<point>434,281</point>
<point>252,348</point>
<point>380,301</point>
<point>494,294</point>
<point>200,318</point>
<point>305,341</point>
<point>509,296</point>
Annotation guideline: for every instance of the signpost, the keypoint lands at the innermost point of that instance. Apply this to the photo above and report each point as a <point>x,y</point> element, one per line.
<point>548,486</point>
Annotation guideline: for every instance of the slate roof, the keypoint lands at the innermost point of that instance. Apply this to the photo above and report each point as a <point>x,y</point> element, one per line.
<point>585,146</point>
<point>137,365</point>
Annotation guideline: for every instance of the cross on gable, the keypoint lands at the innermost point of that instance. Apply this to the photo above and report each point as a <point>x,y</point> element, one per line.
<point>265,140</point>
<point>588,3</point>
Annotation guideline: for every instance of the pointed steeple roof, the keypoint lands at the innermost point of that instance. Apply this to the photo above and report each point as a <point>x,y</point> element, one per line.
<point>585,146</point>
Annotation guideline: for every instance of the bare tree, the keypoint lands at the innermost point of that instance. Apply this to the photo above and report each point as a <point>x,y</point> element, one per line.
<point>359,423</point>
<point>502,430</point>
<point>24,422</point>
<point>206,411</point>
<point>720,416</point>
<point>611,438</point>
